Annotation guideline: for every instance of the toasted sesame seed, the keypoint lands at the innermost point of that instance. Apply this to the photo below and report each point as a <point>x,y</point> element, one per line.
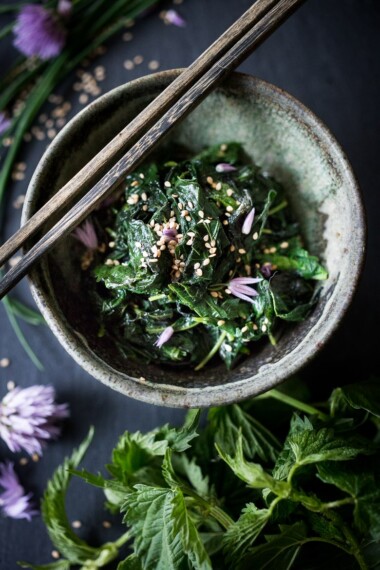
<point>11,385</point>
<point>189,242</point>
<point>197,265</point>
<point>214,294</point>
<point>106,524</point>
<point>207,245</point>
<point>153,64</point>
<point>218,186</point>
<point>272,249</point>
<point>35,457</point>
<point>24,461</point>
<point>212,249</point>
<point>128,64</point>
<point>244,329</point>
<point>242,251</point>
<point>221,323</point>
<point>255,235</point>
<point>201,214</point>
<point>190,205</point>
<point>188,218</point>
<point>228,291</point>
<point>229,209</point>
<point>206,238</point>
<point>210,180</point>
<point>212,255</point>
<point>138,59</point>
<point>223,147</point>
<point>153,260</point>
<point>213,243</point>
<point>199,272</point>
<point>145,207</point>
<point>284,245</point>
<point>248,269</point>
<point>232,247</point>
<point>192,234</point>
<point>225,222</point>
<point>162,247</point>
<point>177,274</point>
<point>255,327</point>
<point>55,554</point>
<point>83,98</point>
<point>4,362</point>
<point>167,184</point>
<point>76,524</point>
<point>206,261</point>
<point>229,192</point>
<point>228,347</point>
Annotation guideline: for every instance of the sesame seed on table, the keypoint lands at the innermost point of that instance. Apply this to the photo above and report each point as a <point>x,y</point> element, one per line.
<point>310,57</point>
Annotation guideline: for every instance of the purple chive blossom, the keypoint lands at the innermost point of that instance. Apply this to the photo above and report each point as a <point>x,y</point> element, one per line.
<point>164,337</point>
<point>14,502</point>
<point>39,32</point>
<point>29,417</point>
<point>172,17</point>
<point>224,167</point>
<point>239,287</point>
<point>5,123</point>
<point>169,234</point>
<point>86,235</point>
<point>247,224</point>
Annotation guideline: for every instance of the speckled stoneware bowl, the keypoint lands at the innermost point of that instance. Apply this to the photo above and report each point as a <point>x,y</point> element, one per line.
<point>285,139</point>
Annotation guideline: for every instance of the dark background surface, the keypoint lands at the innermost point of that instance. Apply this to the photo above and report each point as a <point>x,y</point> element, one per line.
<point>327,56</point>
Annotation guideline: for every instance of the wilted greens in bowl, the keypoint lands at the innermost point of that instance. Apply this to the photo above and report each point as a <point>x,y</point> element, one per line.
<point>201,257</point>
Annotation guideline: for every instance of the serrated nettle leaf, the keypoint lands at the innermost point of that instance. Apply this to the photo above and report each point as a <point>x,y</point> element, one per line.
<point>130,563</point>
<point>257,440</point>
<point>361,481</point>
<point>279,552</point>
<point>243,533</point>
<point>178,439</point>
<point>325,528</point>
<point>76,550</point>
<point>189,469</point>
<point>165,536</point>
<point>364,395</point>
<point>252,473</point>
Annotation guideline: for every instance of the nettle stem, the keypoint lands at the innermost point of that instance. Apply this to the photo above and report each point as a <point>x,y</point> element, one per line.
<point>294,403</point>
<point>213,351</point>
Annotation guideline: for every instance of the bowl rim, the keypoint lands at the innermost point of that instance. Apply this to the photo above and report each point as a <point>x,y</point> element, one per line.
<point>186,397</point>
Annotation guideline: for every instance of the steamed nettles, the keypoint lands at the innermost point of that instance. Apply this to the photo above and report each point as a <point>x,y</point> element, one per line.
<point>204,258</point>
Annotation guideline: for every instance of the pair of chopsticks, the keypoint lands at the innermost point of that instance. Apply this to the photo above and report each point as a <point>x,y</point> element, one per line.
<point>105,171</point>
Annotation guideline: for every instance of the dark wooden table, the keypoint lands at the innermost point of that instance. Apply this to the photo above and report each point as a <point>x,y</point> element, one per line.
<point>327,56</point>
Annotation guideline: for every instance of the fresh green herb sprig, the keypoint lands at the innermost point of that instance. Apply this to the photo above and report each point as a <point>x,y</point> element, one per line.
<point>243,493</point>
<point>188,239</point>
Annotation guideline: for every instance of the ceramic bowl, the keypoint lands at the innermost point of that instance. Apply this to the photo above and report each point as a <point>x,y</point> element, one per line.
<point>285,139</point>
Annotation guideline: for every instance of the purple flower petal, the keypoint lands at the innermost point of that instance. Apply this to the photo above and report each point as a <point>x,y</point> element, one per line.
<point>14,502</point>
<point>5,123</point>
<point>86,234</point>
<point>224,167</point>
<point>169,233</point>
<point>266,270</point>
<point>239,288</point>
<point>39,32</point>
<point>164,337</point>
<point>172,17</point>
<point>28,418</point>
<point>247,224</point>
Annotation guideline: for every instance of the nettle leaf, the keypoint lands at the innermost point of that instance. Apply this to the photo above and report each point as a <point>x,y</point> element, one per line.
<point>362,483</point>
<point>189,469</point>
<point>226,422</point>
<point>130,563</point>
<point>165,536</point>
<point>252,473</point>
<point>295,258</point>
<point>242,534</point>
<point>53,511</point>
<point>306,445</point>
<point>363,396</point>
<point>178,439</point>
<point>280,551</point>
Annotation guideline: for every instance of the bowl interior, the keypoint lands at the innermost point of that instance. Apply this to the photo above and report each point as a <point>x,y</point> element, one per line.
<point>287,141</point>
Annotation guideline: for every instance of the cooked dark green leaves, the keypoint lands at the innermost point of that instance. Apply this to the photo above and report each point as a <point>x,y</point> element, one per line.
<point>179,240</point>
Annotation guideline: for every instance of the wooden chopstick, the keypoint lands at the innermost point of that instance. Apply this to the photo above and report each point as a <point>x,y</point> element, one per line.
<point>107,157</point>
<point>239,50</point>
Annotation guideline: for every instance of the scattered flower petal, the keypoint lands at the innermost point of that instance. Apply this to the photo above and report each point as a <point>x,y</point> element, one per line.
<point>169,233</point>
<point>5,123</point>
<point>14,502</point>
<point>172,17</point>
<point>239,287</point>
<point>87,235</point>
<point>266,270</point>
<point>224,167</point>
<point>164,336</point>
<point>29,417</point>
<point>247,224</point>
<point>39,32</point>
